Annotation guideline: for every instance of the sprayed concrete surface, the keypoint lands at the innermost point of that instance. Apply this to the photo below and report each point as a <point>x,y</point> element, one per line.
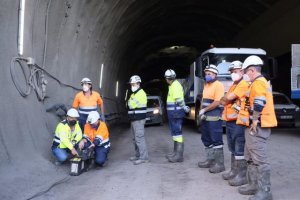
<point>120,179</point>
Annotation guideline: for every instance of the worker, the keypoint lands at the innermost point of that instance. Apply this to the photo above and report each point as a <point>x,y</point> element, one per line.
<point>211,127</point>
<point>236,176</point>
<point>87,101</point>
<point>96,138</point>
<point>176,109</point>
<point>257,113</point>
<point>137,108</point>
<point>67,137</point>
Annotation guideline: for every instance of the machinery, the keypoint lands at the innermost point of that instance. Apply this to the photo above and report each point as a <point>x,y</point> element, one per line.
<point>295,72</point>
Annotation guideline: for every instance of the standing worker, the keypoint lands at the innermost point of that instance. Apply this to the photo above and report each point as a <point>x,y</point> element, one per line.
<point>176,111</point>
<point>87,101</point>
<point>67,137</point>
<point>211,127</point>
<point>257,113</point>
<point>137,109</point>
<point>96,137</point>
<point>235,132</point>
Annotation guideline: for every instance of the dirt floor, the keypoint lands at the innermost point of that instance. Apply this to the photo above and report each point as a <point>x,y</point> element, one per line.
<point>159,179</point>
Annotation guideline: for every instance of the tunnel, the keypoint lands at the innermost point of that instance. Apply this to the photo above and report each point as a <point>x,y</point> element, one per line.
<point>109,41</point>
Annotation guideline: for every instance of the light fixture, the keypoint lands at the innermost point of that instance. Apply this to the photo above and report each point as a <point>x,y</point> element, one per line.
<point>101,75</point>
<point>21,27</point>
<point>117,88</point>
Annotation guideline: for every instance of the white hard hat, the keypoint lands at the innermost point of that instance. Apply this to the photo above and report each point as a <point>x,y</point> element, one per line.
<point>135,79</point>
<point>93,117</point>
<point>86,80</point>
<point>212,68</point>
<point>235,65</point>
<point>170,74</point>
<point>72,113</point>
<point>252,61</point>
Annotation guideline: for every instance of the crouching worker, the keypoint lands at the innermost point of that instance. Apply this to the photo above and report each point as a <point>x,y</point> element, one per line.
<point>96,137</point>
<point>67,137</point>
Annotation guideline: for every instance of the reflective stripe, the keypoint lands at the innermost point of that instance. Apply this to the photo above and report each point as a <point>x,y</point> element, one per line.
<point>212,118</point>
<point>100,137</point>
<point>106,146</point>
<point>232,116</point>
<point>137,111</point>
<point>56,140</point>
<point>239,157</point>
<point>176,108</point>
<point>87,108</point>
<point>205,104</point>
<point>218,147</point>
<point>84,112</point>
<point>104,141</point>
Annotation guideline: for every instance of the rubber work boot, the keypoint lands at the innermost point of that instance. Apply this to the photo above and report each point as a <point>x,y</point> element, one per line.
<point>179,153</point>
<point>251,187</point>
<point>169,155</point>
<point>218,165</point>
<point>264,186</point>
<point>209,158</point>
<point>240,177</point>
<point>230,174</point>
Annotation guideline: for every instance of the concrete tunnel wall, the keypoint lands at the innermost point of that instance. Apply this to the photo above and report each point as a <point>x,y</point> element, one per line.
<point>79,37</point>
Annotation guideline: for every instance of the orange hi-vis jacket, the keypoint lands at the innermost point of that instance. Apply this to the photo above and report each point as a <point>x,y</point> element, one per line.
<point>231,110</point>
<point>259,94</point>
<point>100,134</point>
<point>86,104</point>
<point>213,92</point>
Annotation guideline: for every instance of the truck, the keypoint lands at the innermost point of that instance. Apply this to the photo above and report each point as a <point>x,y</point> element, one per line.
<point>221,57</point>
<point>295,72</point>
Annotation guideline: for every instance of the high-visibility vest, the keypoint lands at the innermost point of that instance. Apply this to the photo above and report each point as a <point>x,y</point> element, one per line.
<point>137,105</point>
<point>259,90</point>
<point>101,134</point>
<point>64,137</point>
<point>175,93</point>
<point>213,91</point>
<point>86,104</point>
<point>231,110</point>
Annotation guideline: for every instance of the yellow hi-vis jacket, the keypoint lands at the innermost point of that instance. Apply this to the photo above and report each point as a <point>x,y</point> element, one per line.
<point>137,105</point>
<point>175,93</point>
<point>64,137</point>
<point>259,93</point>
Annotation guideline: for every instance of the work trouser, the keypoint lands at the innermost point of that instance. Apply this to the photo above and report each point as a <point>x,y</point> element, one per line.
<point>175,123</point>
<point>212,133</point>
<point>138,130</point>
<point>61,154</point>
<point>235,138</point>
<point>256,147</point>
<point>100,155</point>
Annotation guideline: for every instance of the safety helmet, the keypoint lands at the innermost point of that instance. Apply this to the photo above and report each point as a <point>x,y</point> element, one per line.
<point>86,80</point>
<point>235,65</point>
<point>252,61</point>
<point>72,113</point>
<point>93,117</point>
<point>135,79</point>
<point>170,74</point>
<point>211,68</point>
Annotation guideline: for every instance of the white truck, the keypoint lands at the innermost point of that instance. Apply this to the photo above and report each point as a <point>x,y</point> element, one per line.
<point>295,72</point>
<point>221,57</point>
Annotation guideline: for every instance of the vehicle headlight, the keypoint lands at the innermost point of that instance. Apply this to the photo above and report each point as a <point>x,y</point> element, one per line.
<point>156,111</point>
<point>297,109</point>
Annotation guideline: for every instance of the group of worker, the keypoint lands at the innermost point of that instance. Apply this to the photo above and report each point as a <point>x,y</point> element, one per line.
<point>248,110</point>
<point>84,130</point>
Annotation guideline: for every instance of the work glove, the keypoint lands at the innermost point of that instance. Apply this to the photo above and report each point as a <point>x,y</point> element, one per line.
<point>201,112</point>
<point>186,109</point>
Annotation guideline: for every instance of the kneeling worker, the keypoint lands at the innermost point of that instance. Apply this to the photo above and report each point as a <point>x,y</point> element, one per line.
<point>67,137</point>
<point>96,136</point>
